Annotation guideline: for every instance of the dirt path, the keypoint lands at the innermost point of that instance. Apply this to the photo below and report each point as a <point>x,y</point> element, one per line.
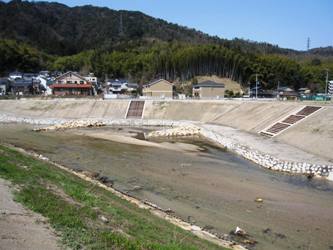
<point>21,228</point>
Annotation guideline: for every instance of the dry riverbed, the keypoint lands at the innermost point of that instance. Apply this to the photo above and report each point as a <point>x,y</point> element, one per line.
<point>203,185</point>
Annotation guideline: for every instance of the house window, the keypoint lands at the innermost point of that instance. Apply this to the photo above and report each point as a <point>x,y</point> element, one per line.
<point>76,82</point>
<point>81,82</point>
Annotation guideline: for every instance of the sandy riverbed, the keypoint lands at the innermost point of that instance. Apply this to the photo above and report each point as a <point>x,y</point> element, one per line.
<point>124,136</point>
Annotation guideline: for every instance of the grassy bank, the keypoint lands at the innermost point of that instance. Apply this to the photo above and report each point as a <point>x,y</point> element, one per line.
<point>87,216</point>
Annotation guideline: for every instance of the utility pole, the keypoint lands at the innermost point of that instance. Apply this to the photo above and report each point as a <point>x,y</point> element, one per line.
<point>278,87</point>
<point>308,44</point>
<point>256,86</point>
<point>326,84</point>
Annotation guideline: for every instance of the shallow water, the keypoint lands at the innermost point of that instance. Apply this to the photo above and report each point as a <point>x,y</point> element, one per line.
<point>210,187</point>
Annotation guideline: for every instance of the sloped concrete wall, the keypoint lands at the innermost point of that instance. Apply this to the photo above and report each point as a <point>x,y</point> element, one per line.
<point>249,116</point>
<point>66,108</point>
<point>314,134</point>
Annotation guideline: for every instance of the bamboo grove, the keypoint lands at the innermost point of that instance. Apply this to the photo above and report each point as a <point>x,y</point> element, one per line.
<point>173,61</point>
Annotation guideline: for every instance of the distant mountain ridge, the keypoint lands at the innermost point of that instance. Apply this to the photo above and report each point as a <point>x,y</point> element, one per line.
<point>58,29</point>
<point>322,51</point>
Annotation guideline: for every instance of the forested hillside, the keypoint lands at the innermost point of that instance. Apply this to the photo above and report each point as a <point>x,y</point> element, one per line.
<point>58,29</point>
<point>41,35</point>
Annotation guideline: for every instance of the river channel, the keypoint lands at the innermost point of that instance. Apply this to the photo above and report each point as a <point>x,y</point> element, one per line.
<point>199,181</point>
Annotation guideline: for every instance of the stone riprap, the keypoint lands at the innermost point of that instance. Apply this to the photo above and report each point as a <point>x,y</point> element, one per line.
<point>73,124</point>
<point>50,123</point>
<point>186,128</point>
<point>262,159</point>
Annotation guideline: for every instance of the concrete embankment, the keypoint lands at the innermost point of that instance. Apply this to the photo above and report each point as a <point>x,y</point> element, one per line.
<point>313,135</point>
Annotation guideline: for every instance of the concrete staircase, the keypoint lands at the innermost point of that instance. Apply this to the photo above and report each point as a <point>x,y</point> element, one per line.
<point>135,109</point>
<point>285,123</point>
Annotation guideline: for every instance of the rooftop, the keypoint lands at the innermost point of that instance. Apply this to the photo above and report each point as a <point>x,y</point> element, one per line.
<point>156,81</point>
<point>209,84</point>
<point>71,86</point>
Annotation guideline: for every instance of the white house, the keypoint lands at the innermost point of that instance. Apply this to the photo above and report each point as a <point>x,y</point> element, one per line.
<point>43,81</point>
<point>91,78</point>
<point>120,86</point>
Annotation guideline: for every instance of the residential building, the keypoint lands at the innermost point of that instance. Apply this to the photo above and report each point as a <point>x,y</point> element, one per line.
<point>4,86</point>
<point>262,93</point>
<point>304,91</point>
<point>120,86</point>
<point>44,73</point>
<point>330,87</point>
<point>132,87</point>
<point>208,89</point>
<point>15,75</point>
<point>26,86</point>
<point>160,88</point>
<point>71,83</point>
<point>286,93</point>
<point>29,76</point>
<point>91,78</point>
<point>116,86</point>
<point>45,82</point>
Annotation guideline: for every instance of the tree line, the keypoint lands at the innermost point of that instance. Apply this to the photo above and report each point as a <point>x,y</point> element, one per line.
<point>173,61</point>
<point>180,62</point>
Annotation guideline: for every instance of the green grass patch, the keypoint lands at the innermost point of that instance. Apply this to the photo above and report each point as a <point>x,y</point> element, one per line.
<point>74,208</point>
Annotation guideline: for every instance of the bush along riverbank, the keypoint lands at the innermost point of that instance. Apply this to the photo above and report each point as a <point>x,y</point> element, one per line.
<point>86,215</point>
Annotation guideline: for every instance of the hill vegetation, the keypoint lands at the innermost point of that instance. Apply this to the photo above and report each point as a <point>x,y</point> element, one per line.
<point>41,35</point>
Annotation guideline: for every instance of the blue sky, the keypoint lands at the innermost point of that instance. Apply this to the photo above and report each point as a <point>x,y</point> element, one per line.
<point>287,23</point>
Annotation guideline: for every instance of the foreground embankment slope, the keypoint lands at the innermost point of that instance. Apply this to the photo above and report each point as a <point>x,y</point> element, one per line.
<point>314,134</point>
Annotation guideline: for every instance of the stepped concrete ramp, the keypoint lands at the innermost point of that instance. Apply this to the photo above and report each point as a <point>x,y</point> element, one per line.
<point>135,109</point>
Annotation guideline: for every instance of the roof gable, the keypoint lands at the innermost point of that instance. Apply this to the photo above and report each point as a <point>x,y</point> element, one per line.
<point>70,73</point>
<point>157,81</point>
<point>209,84</point>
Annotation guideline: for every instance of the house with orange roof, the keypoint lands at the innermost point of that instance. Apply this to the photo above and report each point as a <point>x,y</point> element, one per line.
<point>71,83</point>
